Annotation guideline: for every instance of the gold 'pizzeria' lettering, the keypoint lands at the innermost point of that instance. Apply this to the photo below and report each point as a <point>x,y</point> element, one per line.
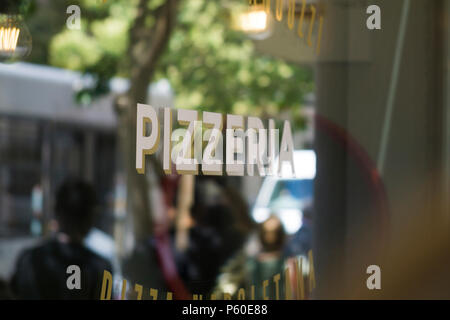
<point>293,277</point>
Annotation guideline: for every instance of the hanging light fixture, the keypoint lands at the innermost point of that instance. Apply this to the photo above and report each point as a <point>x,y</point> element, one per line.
<point>15,38</point>
<point>255,21</point>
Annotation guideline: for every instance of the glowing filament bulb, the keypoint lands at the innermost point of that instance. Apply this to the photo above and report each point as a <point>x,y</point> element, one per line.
<point>8,39</point>
<point>254,21</point>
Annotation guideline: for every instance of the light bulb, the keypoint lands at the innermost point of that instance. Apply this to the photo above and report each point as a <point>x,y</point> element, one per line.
<point>255,22</point>
<point>15,38</point>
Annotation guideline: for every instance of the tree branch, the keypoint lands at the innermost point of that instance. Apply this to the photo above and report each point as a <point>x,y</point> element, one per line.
<point>148,44</point>
<point>145,49</point>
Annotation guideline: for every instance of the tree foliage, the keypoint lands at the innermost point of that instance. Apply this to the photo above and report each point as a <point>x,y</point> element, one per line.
<point>210,65</point>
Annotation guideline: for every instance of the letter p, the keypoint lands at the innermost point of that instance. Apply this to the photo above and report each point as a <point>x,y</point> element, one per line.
<point>145,144</point>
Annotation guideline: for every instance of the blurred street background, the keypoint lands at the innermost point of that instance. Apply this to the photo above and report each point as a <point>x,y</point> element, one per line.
<point>369,110</point>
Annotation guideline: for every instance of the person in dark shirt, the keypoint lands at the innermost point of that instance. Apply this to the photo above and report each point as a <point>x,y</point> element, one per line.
<point>41,272</point>
<point>212,241</point>
<point>5,293</point>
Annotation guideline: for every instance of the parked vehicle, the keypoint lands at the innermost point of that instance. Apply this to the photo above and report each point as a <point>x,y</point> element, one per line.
<point>285,197</point>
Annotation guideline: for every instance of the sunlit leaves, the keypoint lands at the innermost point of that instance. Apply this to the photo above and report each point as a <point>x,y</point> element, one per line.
<point>209,65</point>
<point>111,35</point>
<point>75,50</point>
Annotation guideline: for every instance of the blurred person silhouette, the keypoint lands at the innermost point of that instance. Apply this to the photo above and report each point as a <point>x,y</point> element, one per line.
<point>250,268</point>
<point>269,261</point>
<point>301,241</point>
<point>41,271</point>
<point>211,241</point>
<point>5,293</point>
<point>212,237</point>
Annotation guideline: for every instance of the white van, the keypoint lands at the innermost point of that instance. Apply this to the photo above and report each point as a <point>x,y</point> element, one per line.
<point>285,197</point>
